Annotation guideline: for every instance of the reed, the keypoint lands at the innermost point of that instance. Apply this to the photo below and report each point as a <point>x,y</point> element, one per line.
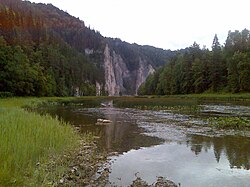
<point>26,139</point>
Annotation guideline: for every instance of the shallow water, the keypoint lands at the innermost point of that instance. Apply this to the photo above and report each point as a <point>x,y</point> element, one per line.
<point>180,163</point>
<point>178,146</point>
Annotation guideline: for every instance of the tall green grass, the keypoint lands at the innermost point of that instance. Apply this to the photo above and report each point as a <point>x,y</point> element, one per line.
<point>26,139</point>
<point>17,102</point>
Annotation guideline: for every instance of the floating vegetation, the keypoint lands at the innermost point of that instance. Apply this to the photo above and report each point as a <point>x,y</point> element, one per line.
<point>229,122</point>
<point>175,105</point>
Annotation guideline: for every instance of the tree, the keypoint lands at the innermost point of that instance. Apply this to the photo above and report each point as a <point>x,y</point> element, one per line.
<point>197,68</point>
<point>165,81</point>
<point>244,73</point>
<point>233,74</point>
<point>177,76</point>
<point>216,66</point>
<point>5,57</point>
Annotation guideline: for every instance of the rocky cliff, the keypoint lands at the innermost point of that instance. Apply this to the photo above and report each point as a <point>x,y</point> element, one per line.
<point>119,79</point>
<point>144,70</point>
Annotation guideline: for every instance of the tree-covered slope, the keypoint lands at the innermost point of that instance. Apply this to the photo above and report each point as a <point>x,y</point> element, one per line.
<point>223,69</point>
<point>45,52</point>
<point>35,57</point>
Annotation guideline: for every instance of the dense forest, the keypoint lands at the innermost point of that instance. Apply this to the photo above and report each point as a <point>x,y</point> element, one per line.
<point>44,51</point>
<point>36,59</point>
<point>225,68</point>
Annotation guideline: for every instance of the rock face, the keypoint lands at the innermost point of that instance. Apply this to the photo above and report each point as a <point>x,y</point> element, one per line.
<point>115,72</point>
<point>119,80</point>
<point>143,72</point>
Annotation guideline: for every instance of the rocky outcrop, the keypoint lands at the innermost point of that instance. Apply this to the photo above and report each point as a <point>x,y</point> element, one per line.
<point>143,72</point>
<point>119,80</point>
<point>115,71</point>
<point>98,88</point>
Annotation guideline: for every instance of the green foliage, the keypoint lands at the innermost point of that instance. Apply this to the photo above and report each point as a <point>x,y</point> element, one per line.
<point>5,94</point>
<point>225,68</point>
<point>229,122</point>
<point>244,74</point>
<point>37,58</point>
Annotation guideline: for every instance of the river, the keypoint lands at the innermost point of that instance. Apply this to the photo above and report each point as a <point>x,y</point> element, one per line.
<point>169,142</point>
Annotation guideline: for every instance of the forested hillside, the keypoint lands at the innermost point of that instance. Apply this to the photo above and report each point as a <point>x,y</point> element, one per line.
<point>35,57</point>
<point>44,51</point>
<point>225,68</point>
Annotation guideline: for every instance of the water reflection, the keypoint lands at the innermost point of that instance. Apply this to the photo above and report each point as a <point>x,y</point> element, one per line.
<point>190,154</point>
<point>122,135</point>
<point>127,131</point>
<point>236,148</point>
<point>176,162</point>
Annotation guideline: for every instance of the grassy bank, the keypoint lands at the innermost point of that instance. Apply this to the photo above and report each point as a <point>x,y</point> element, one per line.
<point>28,139</point>
<point>209,96</point>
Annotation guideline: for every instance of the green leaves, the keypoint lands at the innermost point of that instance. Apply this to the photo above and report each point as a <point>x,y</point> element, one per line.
<point>38,59</point>
<point>229,122</point>
<point>195,70</point>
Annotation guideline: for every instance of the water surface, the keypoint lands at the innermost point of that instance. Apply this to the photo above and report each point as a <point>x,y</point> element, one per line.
<point>176,145</point>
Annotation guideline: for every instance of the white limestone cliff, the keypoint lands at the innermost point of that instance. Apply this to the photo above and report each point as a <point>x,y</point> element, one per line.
<point>115,71</point>
<point>143,72</point>
<point>119,80</point>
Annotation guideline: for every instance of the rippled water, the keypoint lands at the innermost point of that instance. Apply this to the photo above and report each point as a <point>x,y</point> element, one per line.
<point>178,146</point>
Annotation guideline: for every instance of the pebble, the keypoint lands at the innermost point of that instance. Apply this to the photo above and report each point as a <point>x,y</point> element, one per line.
<point>87,147</point>
<point>61,181</point>
<point>103,121</point>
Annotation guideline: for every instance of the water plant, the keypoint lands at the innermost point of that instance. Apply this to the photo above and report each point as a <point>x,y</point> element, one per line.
<point>233,122</point>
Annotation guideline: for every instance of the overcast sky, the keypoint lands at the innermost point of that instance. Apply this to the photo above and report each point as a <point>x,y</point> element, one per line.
<point>168,24</point>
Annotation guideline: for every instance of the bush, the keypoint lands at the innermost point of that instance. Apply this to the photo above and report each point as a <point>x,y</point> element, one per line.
<point>6,94</point>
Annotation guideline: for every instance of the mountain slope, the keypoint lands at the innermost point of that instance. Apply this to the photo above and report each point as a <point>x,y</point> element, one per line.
<point>45,51</point>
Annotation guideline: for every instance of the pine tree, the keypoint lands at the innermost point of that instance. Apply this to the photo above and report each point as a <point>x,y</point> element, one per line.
<point>216,65</point>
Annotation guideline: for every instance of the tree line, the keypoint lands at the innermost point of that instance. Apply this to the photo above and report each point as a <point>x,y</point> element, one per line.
<point>225,68</point>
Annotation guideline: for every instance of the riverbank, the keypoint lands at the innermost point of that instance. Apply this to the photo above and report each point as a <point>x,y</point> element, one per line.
<point>206,96</point>
<point>67,157</point>
<point>43,151</point>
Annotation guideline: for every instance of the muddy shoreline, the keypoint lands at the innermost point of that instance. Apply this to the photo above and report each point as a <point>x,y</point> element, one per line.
<point>81,163</point>
<point>86,166</point>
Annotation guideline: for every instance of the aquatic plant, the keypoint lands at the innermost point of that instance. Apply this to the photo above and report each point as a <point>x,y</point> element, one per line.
<point>229,122</point>
<point>153,103</point>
